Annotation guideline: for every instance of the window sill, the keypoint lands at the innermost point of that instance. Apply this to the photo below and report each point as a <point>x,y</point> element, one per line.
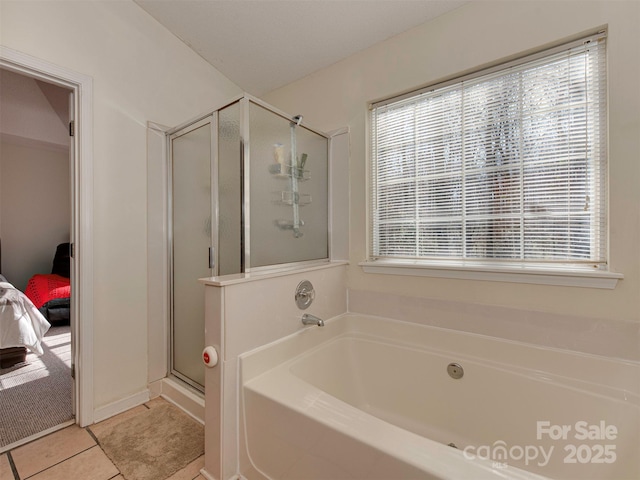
<point>515,274</point>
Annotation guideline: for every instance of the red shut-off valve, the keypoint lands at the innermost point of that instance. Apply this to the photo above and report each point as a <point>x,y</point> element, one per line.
<point>210,356</point>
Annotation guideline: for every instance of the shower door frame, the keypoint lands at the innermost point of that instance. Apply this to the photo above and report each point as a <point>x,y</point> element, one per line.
<point>244,100</point>
<point>212,120</point>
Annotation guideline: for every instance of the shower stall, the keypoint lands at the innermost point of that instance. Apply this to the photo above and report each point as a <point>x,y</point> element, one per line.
<point>248,192</point>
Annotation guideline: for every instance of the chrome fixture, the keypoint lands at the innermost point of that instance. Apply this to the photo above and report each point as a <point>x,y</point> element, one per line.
<point>308,319</point>
<point>455,370</point>
<point>304,294</point>
<point>293,180</point>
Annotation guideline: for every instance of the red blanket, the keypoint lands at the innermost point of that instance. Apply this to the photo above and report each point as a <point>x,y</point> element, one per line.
<point>43,288</point>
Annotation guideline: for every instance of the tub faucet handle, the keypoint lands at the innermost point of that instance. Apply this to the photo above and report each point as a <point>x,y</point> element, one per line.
<point>304,294</point>
<point>308,319</point>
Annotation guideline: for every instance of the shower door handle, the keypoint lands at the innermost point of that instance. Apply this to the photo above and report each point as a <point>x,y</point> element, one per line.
<point>212,258</point>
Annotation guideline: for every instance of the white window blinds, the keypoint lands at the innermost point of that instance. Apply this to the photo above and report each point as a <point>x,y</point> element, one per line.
<point>508,166</point>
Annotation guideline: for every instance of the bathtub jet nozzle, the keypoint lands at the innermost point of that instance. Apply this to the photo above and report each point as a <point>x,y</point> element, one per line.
<point>455,370</point>
<point>308,319</point>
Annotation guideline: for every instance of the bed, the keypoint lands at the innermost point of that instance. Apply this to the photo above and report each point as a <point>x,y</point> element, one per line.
<point>21,325</point>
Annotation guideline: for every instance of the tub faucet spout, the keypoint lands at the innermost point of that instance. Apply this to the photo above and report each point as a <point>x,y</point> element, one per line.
<point>308,319</point>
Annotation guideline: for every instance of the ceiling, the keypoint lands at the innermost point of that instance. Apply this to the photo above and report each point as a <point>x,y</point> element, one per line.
<point>264,44</point>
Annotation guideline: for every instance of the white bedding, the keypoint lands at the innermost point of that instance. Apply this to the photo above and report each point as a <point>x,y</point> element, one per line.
<point>21,324</point>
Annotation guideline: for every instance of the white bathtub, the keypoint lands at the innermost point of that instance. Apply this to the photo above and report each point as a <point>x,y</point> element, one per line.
<point>371,398</point>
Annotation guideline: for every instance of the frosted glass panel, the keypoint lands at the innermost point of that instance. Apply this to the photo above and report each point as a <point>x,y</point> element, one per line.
<point>281,231</point>
<point>285,203</point>
<point>229,191</point>
<point>191,215</point>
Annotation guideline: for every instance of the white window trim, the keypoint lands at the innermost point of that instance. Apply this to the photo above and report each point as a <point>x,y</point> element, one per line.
<point>495,273</point>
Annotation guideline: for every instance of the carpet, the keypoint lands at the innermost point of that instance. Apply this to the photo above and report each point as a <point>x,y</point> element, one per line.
<point>154,444</point>
<point>37,394</point>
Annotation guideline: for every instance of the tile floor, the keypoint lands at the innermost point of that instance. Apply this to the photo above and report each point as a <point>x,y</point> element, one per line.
<point>73,453</point>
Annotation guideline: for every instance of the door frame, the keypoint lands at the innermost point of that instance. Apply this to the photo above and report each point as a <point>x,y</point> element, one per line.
<point>81,87</point>
<point>212,121</point>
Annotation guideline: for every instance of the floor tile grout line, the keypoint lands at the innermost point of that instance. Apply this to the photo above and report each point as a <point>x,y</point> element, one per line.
<point>13,467</point>
<point>119,474</point>
<point>61,461</point>
<point>92,435</point>
<point>105,453</point>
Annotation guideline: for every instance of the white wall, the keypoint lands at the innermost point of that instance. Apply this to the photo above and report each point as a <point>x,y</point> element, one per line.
<point>35,206</point>
<point>243,314</point>
<point>474,35</point>
<point>140,72</point>
<point>35,201</point>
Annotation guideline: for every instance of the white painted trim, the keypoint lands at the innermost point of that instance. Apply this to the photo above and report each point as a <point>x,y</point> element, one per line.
<point>339,131</point>
<point>587,279</point>
<point>82,86</point>
<point>155,389</point>
<point>236,278</point>
<point>339,215</point>
<point>206,475</point>
<point>122,405</point>
<point>157,254</point>
<point>184,398</point>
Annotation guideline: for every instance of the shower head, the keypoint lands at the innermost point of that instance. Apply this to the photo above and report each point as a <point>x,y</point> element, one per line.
<point>297,120</point>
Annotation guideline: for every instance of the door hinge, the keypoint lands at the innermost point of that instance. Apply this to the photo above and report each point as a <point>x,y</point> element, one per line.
<point>72,128</point>
<point>72,250</point>
<point>73,371</point>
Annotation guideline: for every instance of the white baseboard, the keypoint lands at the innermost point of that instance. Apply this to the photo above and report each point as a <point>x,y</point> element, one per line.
<point>120,406</point>
<point>155,389</point>
<point>183,397</point>
<point>206,475</point>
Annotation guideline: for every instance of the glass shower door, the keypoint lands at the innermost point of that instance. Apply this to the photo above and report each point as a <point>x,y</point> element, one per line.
<point>191,218</point>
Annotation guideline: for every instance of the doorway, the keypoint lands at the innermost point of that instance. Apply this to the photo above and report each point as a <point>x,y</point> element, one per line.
<point>36,390</point>
<point>80,165</point>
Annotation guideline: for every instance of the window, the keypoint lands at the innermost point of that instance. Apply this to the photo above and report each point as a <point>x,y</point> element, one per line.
<point>506,167</point>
